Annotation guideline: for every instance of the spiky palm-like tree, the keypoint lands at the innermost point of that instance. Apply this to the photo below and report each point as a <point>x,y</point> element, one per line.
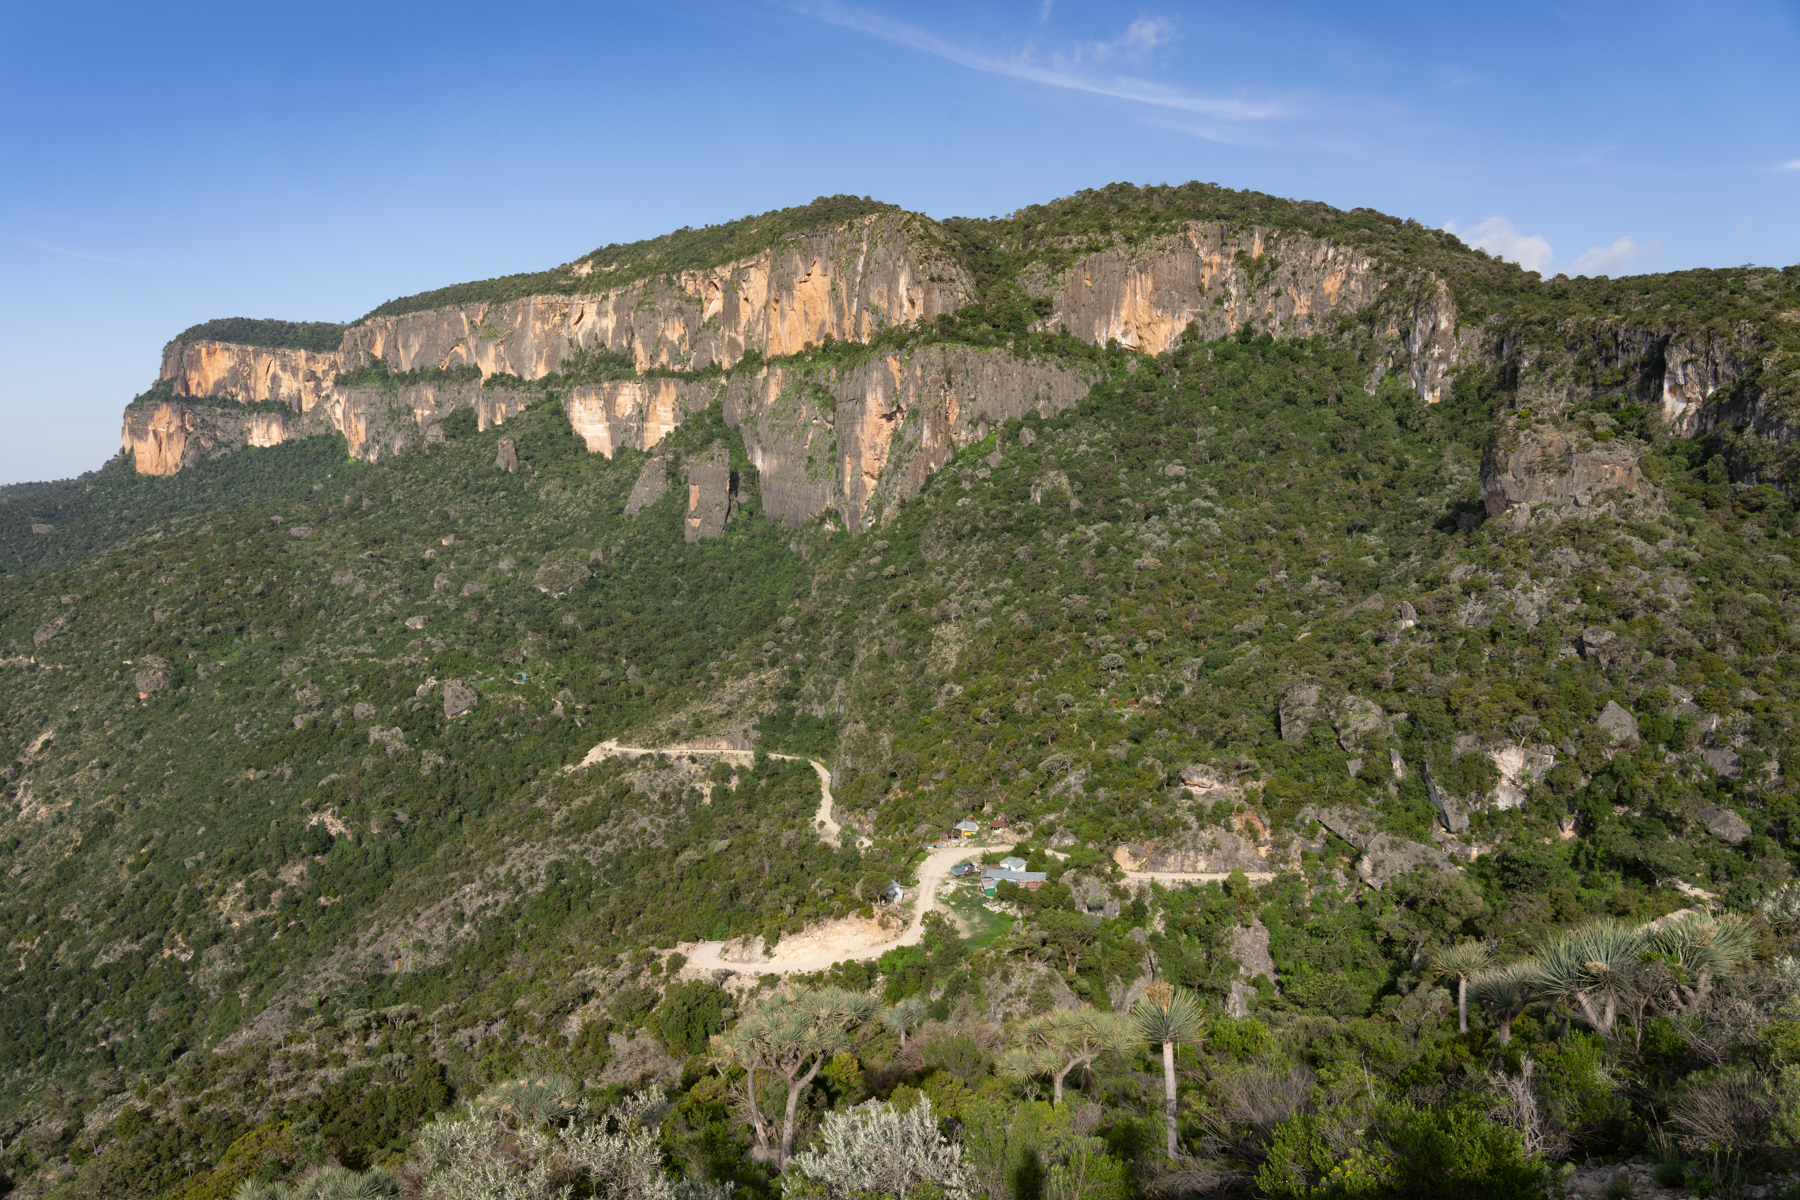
<point>792,1035</point>
<point>1168,1016</point>
<point>1703,947</point>
<point>1061,1040</point>
<point>1590,966</point>
<point>904,1016</point>
<point>1504,991</point>
<point>1462,961</point>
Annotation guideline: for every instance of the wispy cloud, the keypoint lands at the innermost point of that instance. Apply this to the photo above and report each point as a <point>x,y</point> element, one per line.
<point>1793,164</point>
<point>1061,71</point>
<point>1615,259</point>
<point>1497,236</point>
<point>99,258</point>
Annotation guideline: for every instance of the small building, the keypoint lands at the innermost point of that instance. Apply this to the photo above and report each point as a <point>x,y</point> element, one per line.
<point>964,830</point>
<point>993,877</point>
<point>1014,863</point>
<point>964,868</point>
<point>894,893</point>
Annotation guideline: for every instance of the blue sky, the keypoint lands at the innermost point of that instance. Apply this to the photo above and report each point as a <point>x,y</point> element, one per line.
<point>168,164</point>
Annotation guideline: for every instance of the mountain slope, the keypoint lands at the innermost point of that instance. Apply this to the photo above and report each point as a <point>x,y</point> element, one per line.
<point>1202,532</point>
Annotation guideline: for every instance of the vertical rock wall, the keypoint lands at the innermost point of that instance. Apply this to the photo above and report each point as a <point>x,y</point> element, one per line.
<point>709,496</point>
<point>845,284</point>
<point>861,440</point>
<point>297,378</point>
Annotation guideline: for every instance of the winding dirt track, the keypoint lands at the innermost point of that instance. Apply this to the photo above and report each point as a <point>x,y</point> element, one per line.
<point>706,956</point>
<point>817,952</point>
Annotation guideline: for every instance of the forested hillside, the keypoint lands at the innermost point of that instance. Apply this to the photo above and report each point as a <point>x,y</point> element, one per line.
<point>1399,710</point>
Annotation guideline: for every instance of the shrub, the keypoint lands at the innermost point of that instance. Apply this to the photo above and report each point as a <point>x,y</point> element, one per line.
<point>873,1148</point>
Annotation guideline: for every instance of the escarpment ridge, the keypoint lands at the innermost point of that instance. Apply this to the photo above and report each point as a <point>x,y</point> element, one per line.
<point>964,323</point>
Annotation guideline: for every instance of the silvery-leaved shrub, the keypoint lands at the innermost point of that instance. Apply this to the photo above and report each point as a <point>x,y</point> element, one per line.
<point>873,1148</point>
<point>492,1153</point>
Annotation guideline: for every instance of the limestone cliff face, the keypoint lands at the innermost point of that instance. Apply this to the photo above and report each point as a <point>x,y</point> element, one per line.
<point>860,441</point>
<point>297,378</point>
<point>634,413</point>
<point>844,283</point>
<point>164,438</point>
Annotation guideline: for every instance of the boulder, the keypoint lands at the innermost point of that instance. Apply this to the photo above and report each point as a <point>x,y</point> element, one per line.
<point>415,622</point>
<point>1618,725</point>
<point>1386,858</point>
<point>508,458</point>
<point>1723,824</point>
<point>559,577</point>
<point>150,680</point>
<point>1356,719</point>
<point>1723,761</point>
<point>1026,436</point>
<point>459,698</point>
<point>1299,708</point>
<point>652,484</point>
<point>1250,946</point>
<point>709,496</point>
<point>1409,616</point>
<point>363,711</point>
<point>1355,828</point>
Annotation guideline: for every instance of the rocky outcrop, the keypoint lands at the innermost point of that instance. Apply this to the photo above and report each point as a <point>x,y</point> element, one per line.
<point>843,284</point>
<point>1723,824</point>
<point>252,374</point>
<point>1386,858</point>
<point>1220,278</point>
<point>652,484</point>
<point>1204,851</point>
<point>164,438</point>
<point>1558,471</point>
<point>1521,768</point>
<point>168,436</point>
<point>860,440</point>
<point>709,496</point>
<point>634,413</point>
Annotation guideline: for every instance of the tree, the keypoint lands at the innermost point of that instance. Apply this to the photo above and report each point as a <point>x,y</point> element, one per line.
<point>1167,1016</point>
<point>1061,1040</point>
<point>1700,948</point>
<point>792,1035</point>
<point>905,1015</point>
<point>1504,991</point>
<point>872,1149</point>
<point>1462,960</point>
<point>1590,967</point>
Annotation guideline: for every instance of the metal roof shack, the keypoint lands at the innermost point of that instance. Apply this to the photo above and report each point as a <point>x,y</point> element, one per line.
<point>993,877</point>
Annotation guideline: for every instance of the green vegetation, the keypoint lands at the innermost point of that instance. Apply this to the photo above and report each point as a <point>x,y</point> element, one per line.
<point>305,884</point>
<point>614,265</point>
<point>321,337</point>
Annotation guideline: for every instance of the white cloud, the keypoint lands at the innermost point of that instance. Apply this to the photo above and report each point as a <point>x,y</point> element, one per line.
<point>1141,37</point>
<point>1793,164</point>
<point>1615,259</point>
<point>1497,236</point>
<point>1060,73</point>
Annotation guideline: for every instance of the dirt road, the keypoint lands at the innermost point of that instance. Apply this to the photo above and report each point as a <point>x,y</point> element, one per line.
<point>828,828</point>
<point>816,952</point>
